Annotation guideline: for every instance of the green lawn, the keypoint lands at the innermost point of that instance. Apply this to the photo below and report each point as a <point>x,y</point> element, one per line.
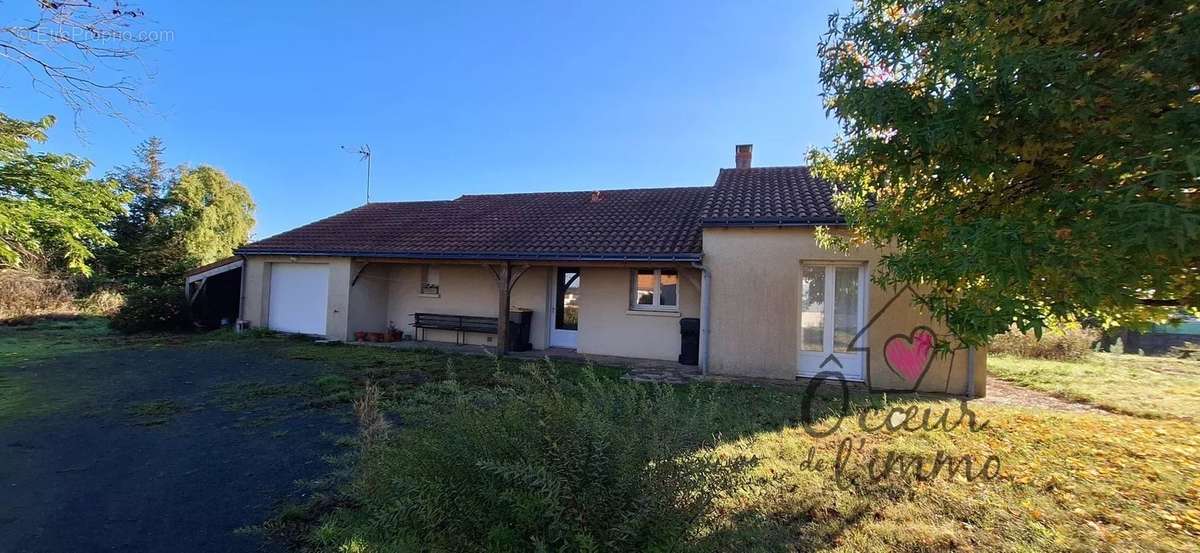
<point>1067,481</point>
<point>1151,387</point>
<point>47,339</point>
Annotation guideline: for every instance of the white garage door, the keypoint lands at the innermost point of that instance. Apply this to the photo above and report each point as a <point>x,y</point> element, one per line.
<point>299,295</point>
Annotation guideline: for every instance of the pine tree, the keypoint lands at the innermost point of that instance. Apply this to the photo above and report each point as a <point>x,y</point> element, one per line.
<point>148,181</point>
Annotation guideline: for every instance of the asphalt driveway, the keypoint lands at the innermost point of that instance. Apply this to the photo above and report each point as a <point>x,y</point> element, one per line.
<point>160,449</point>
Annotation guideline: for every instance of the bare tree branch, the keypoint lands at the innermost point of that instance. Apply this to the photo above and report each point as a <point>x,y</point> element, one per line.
<point>85,52</point>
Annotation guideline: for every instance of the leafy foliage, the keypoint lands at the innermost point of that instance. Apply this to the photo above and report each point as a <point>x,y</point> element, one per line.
<point>1021,160</point>
<point>51,214</point>
<point>152,308</point>
<point>16,134</point>
<point>543,464</point>
<point>209,214</point>
<point>177,219</point>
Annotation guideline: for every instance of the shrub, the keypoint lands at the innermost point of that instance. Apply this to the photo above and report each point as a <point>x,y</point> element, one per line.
<point>1065,342</point>
<point>152,308</point>
<point>25,294</point>
<point>104,302</point>
<point>545,464</point>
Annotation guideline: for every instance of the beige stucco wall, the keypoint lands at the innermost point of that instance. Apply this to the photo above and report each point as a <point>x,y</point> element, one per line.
<point>389,293</point>
<point>369,297</point>
<point>754,310</point>
<point>257,290</point>
<point>465,290</point>
<point>256,278</point>
<point>608,327</point>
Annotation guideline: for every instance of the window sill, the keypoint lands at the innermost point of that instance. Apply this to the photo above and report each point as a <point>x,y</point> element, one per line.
<point>653,313</point>
<point>429,295</point>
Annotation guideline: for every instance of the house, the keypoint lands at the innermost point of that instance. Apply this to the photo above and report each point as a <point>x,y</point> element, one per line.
<point>614,272</point>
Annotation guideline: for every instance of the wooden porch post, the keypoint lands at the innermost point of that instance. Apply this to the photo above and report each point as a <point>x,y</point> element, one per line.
<point>505,280</point>
<point>504,288</point>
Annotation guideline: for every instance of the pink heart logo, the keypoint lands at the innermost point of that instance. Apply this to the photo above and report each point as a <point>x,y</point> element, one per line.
<point>910,356</point>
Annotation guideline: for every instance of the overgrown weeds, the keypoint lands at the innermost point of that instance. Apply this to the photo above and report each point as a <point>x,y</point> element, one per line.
<point>28,296</point>
<point>103,302</point>
<point>540,462</point>
<point>373,427</point>
<point>24,295</point>
<point>1061,343</point>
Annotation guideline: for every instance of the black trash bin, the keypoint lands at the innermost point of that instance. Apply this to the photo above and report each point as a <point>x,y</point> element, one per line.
<point>519,323</point>
<point>689,341</point>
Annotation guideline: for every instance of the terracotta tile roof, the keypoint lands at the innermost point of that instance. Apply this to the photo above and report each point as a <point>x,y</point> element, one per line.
<point>637,224</point>
<point>640,224</point>
<point>770,196</point>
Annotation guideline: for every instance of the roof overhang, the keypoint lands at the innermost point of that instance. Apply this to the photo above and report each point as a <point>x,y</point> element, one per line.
<point>490,256</point>
<point>773,222</point>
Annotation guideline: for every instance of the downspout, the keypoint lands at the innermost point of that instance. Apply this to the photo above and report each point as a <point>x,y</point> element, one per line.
<point>971,372</point>
<point>705,306</point>
<point>242,295</point>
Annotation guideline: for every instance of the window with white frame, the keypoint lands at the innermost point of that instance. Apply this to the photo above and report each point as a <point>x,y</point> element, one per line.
<point>429,281</point>
<point>654,290</point>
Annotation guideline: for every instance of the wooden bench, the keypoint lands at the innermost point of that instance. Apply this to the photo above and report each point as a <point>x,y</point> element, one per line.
<point>460,324</point>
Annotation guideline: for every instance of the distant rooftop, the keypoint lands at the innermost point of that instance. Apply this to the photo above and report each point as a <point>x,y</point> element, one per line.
<point>770,196</point>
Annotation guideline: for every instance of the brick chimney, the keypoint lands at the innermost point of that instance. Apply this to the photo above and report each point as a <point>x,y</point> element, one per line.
<point>741,155</point>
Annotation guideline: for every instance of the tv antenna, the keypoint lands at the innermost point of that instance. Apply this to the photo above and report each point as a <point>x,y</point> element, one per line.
<point>365,152</point>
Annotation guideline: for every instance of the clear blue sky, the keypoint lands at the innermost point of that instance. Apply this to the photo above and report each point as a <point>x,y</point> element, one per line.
<point>457,98</point>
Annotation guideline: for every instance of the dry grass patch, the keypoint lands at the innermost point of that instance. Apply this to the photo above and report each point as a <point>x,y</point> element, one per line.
<point>24,294</point>
<point>1061,343</point>
<point>27,297</point>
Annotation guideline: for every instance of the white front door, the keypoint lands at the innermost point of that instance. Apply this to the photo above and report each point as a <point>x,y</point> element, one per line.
<point>832,308</point>
<point>564,307</point>
<point>299,296</point>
